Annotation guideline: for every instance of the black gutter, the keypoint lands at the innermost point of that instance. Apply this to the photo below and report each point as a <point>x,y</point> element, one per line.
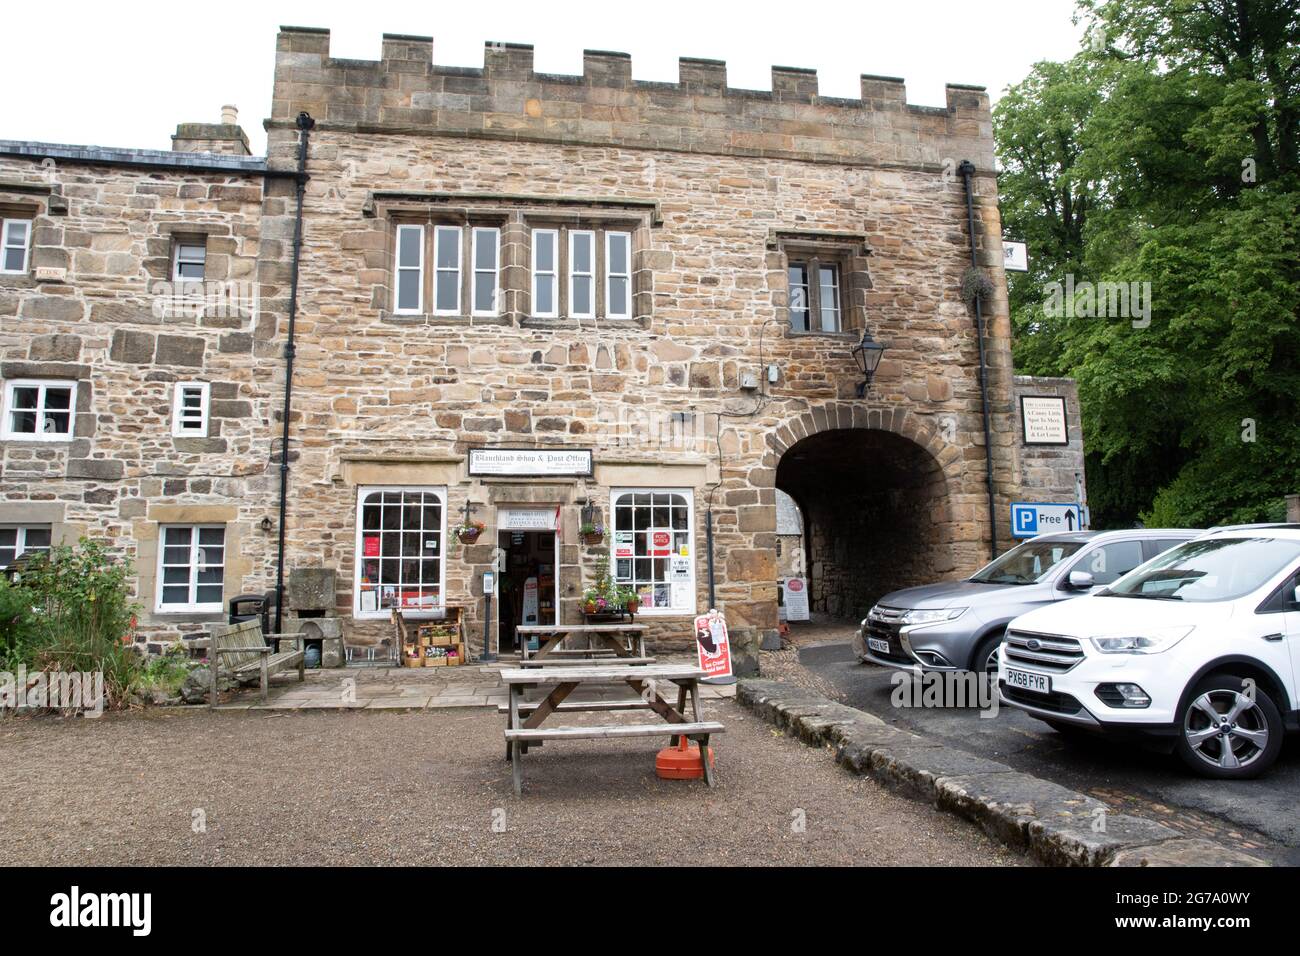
<point>967,170</point>
<point>305,123</point>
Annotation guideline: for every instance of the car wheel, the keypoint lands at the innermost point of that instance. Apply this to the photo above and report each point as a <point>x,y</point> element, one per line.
<point>1229,731</point>
<point>986,657</point>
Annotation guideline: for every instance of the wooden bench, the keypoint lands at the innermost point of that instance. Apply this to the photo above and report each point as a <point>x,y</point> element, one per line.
<point>577,706</point>
<point>551,660</point>
<point>242,649</point>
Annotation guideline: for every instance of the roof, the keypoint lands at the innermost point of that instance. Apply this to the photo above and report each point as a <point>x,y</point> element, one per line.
<point>157,158</point>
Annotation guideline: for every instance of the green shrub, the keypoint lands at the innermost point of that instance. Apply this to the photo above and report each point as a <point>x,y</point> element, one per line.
<point>19,626</point>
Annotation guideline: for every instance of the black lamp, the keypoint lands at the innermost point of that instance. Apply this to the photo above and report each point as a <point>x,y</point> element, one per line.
<point>867,354</point>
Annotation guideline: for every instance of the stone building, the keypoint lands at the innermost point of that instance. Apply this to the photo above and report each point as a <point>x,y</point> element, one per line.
<point>530,300</point>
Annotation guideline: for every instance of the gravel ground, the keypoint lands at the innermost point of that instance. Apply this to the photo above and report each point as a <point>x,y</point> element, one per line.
<point>321,788</point>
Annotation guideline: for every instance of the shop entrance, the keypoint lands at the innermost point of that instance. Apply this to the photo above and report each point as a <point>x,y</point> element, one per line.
<point>527,591</point>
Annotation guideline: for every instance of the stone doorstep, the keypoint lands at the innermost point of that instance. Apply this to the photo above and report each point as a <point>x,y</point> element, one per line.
<point>1053,823</point>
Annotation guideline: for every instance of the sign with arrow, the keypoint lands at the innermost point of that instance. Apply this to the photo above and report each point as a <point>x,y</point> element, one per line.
<point>1029,518</point>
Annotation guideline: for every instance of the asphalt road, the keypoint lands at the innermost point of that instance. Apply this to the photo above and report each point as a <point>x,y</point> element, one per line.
<point>1149,784</point>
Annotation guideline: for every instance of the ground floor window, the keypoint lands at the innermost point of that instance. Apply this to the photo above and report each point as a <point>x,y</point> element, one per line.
<point>191,567</point>
<point>653,546</point>
<point>17,540</point>
<point>399,558</point>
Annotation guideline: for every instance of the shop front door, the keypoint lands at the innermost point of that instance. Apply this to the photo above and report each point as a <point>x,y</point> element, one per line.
<point>526,591</point>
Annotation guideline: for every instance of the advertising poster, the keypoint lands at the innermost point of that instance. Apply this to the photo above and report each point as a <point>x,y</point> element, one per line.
<point>660,542</point>
<point>713,645</point>
<point>530,601</point>
<point>796,599</point>
<point>623,544</point>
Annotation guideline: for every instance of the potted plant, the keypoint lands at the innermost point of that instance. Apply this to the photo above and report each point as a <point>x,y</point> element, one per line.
<point>604,598</point>
<point>469,531</point>
<point>592,533</point>
<point>631,600</point>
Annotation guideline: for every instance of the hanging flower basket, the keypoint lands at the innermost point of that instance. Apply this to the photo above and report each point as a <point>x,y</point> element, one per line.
<point>591,534</point>
<point>468,533</point>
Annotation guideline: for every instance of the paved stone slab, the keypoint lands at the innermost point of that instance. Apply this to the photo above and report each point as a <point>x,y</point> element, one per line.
<point>1184,852</point>
<point>917,766</point>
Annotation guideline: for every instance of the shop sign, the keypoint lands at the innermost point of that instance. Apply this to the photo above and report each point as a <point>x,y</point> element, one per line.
<point>1043,420</point>
<point>370,546</point>
<point>526,519</point>
<point>530,462</point>
<point>713,645</point>
<point>796,599</point>
<point>623,544</point>
<point>660,541</point>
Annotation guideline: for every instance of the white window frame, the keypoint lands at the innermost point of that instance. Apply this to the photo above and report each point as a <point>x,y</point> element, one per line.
<point>192,606</point>
<point>836,310</point>
<point>573,235</point>
<point>364,491</point>
<point>611,274</point>
<point>474,270</point>
<point>178,419</point>
<point>614,495</point>
<point>438,233</point>
<point>5,245</point>
<point>177,259</point>
<point>551,275</point>
<point>398,269</point>
<point>20,537</point>
<point>42,384</point>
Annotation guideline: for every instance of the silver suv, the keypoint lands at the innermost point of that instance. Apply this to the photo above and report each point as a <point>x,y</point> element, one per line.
<point>958,625</point>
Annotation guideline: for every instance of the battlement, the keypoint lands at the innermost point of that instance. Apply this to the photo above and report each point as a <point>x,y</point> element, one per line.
<point>405,92</point>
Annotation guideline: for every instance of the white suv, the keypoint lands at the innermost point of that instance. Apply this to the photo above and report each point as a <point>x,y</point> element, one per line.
<point>1198,648</point>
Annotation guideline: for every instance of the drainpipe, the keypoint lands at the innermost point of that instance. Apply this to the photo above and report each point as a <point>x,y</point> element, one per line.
<point>967,170</point>
<point>305,124</point>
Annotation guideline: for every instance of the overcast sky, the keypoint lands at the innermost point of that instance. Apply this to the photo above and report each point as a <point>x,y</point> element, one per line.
<point>125,73</point>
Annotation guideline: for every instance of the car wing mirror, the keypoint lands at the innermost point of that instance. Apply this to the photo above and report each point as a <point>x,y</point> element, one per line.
<point>1080,580</point>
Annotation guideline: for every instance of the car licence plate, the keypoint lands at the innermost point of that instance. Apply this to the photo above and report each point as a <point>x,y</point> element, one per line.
<point>877,645</point>
<point>1037,683</point>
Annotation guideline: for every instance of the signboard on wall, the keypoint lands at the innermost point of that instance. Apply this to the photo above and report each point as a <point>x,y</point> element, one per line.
<point>1015,256</point>
<point>526,519</point>
<point>1042,419</point>
<point>530,462</point>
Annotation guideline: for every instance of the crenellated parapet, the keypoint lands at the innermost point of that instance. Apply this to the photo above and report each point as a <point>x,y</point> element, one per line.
<point>405,92</point>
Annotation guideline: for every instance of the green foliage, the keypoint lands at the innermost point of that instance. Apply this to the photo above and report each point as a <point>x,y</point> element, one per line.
<point>83,618</point>
<point>1169,155</point>
<point>18,626</point>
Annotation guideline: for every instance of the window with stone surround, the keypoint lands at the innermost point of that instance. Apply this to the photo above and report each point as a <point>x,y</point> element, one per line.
<point>653,547</point>
<point>465,277</point>
<point>39,409</point>
<point>191,568</point>
<point>597,269</point>
<point>18,539</point>
<point>189,260</point>
<point>399,549</point>
<point>190,410</point>
<point>15,245</point>
<point>826,282</point>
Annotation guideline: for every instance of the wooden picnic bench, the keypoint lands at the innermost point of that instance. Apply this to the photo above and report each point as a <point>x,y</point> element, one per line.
<point>243,649</point>
<point>525,718</point>
<point>621,640</point>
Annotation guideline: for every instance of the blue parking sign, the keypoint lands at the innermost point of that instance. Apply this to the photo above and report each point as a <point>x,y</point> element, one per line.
<point>1031,518</point>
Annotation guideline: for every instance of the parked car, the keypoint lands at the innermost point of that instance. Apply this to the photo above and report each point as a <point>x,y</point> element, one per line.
<point>1196,650</point>
<point>958,625</point>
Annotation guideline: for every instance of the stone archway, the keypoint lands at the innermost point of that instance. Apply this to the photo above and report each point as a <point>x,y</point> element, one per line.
<point>875,486</point>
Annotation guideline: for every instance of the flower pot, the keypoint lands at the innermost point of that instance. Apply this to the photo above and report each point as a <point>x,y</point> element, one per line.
<point>468,536</point>
<point>591,539</point>
<point>633,606</point>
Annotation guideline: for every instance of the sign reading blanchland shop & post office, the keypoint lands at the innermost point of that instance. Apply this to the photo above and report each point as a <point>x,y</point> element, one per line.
<point>530,462</point>
<point>1042,418</point>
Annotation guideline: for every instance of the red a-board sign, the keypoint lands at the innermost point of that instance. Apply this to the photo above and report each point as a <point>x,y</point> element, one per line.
<point>713,645</point>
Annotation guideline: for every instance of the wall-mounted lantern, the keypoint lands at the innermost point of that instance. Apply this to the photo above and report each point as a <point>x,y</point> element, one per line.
<point>867,354</point>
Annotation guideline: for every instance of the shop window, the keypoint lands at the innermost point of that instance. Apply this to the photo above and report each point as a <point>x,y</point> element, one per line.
<point>191,568</point>
<point>399,559</point>
<point>39,409</point>
<point>653,547</point>
<point>17,540</point>
<point>190,410</point>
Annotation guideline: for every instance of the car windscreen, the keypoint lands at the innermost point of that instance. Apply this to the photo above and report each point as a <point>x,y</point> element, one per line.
<point>1217,569</point>
<point>1026,563</point>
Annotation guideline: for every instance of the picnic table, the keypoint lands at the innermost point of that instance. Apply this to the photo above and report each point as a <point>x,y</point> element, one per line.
<point>602,640</point>
<point>525,719</point>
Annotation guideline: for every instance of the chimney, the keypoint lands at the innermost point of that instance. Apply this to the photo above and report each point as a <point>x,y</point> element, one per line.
<point>226,137</point>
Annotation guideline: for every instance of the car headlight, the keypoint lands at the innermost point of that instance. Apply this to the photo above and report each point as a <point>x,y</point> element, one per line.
<point>932,616</point>
<point>1154,641</point>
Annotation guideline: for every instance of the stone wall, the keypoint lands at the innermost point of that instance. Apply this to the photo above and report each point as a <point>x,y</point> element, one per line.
<point>1048,473</point>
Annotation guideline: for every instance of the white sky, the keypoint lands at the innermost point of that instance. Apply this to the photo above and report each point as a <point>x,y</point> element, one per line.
<point>127,72</point>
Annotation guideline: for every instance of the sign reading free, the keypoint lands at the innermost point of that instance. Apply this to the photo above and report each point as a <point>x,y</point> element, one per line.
<point>1029,519</point>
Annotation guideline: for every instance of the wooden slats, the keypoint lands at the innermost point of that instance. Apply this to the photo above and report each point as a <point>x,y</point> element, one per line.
<point>603,673</point>
<point>551,661</point>
<point>616,730</point>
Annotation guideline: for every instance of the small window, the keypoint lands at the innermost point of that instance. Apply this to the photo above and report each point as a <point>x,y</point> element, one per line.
<point>446,265</point>
<point>190,410</point>
<point>410,269</point>
<point>546,245</point>
<point>191,568</point>
<point>17,236</point>
<point>618,275</point>
<point>39,409</point>
<point>829,297</point>
<point>582,274</point>
<point>654,547</point>
<point>815,306</point>
<point>189,261</point>
<point>17,540</point>
<point>487,267</point>
<point>799,297</point>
